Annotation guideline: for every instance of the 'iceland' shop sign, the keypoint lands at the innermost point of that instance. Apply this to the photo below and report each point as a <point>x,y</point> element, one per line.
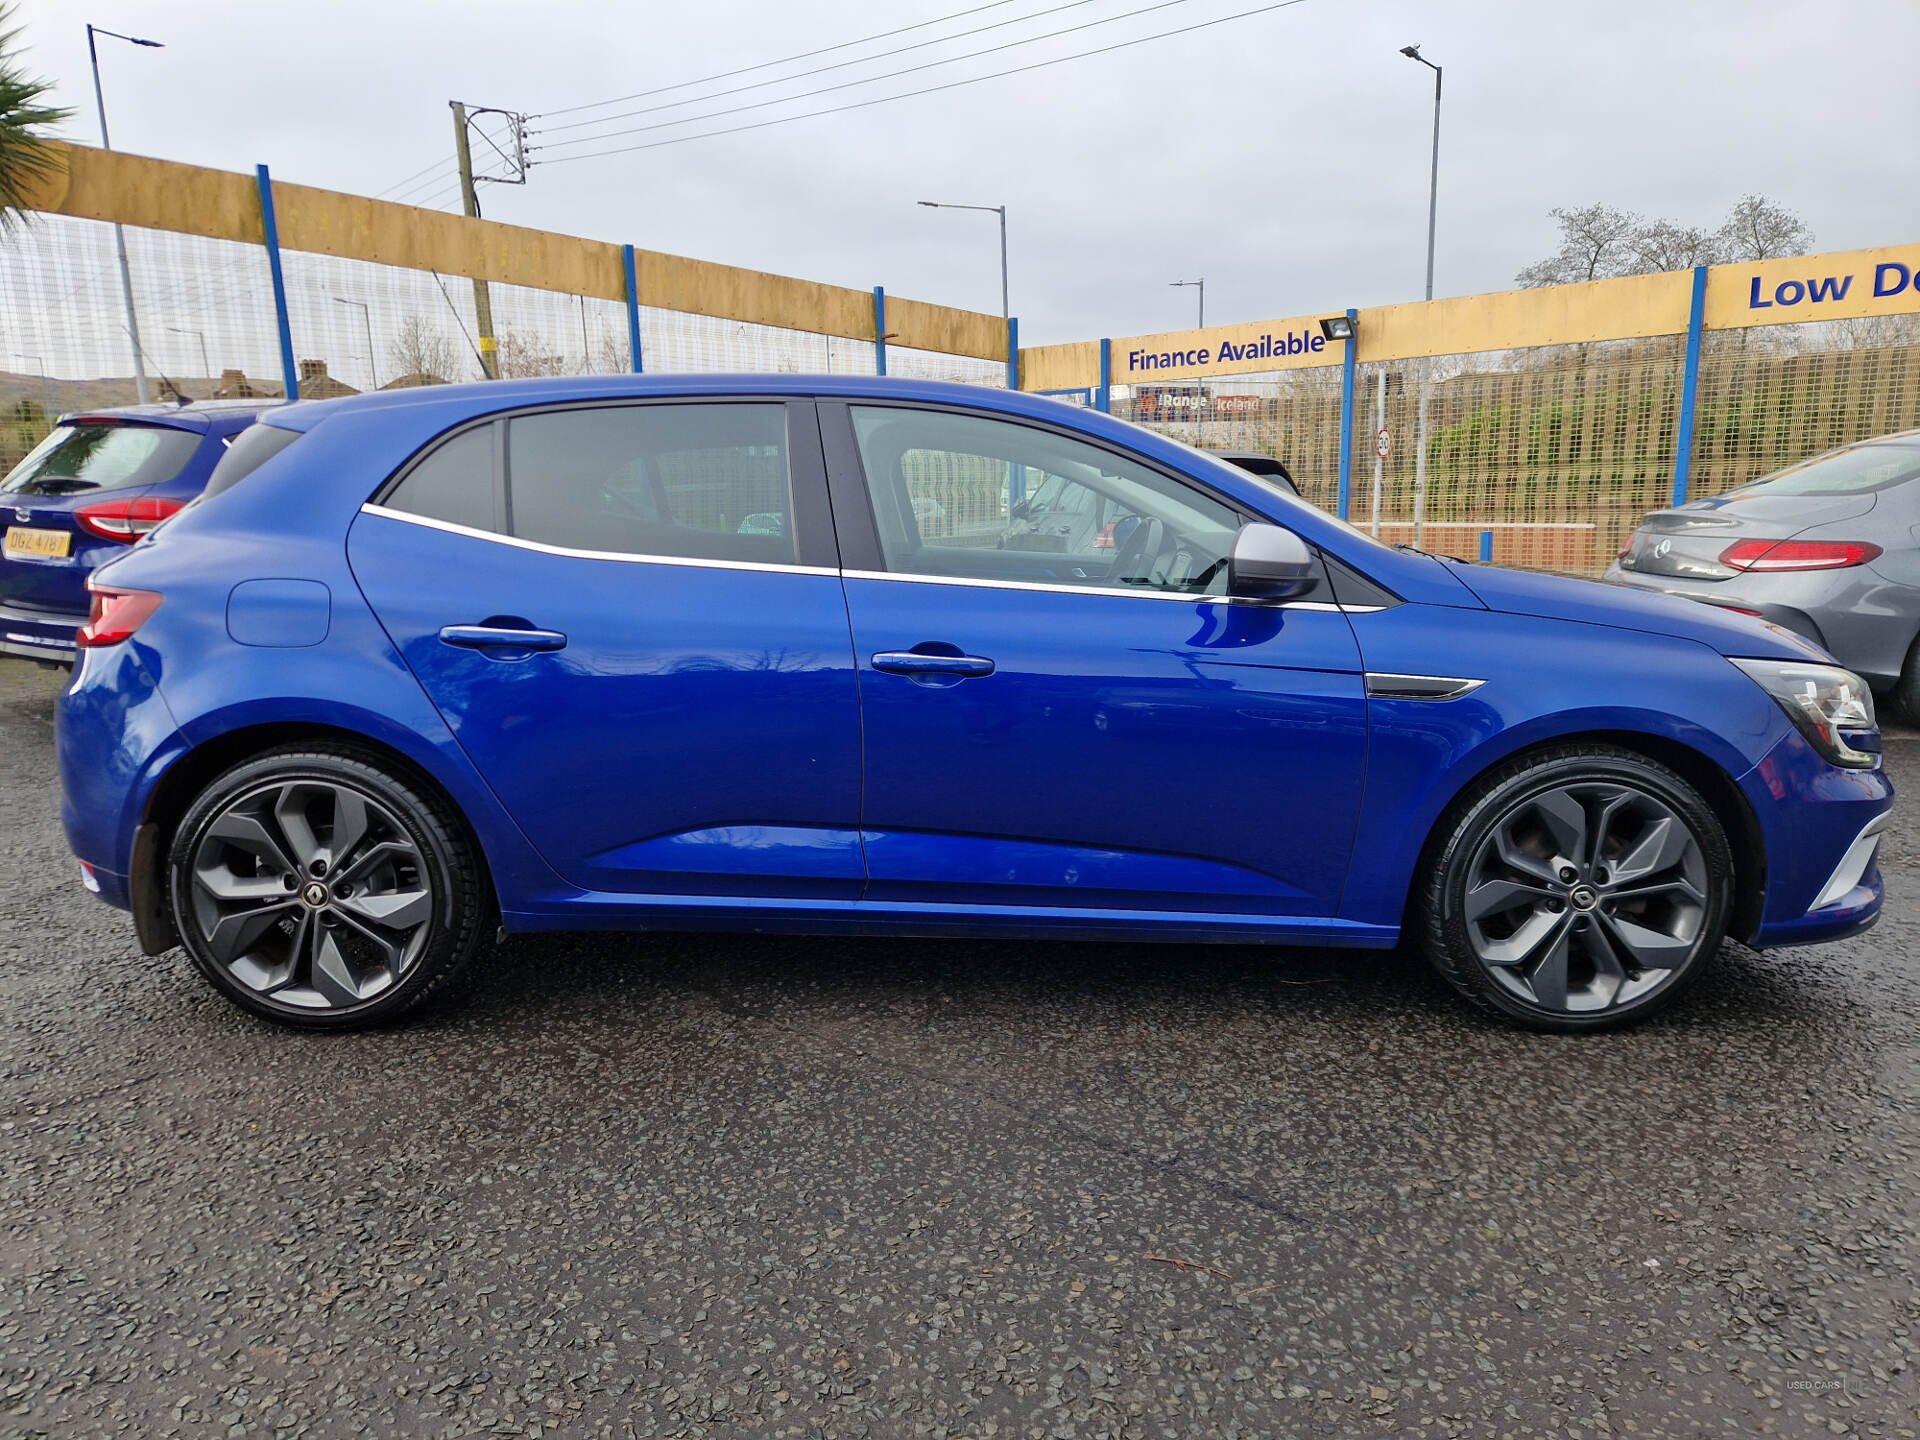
<point>1224,350</point>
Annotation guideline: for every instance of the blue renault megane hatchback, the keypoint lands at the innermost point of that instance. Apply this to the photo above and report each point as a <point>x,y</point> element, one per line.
<point>774,653</point>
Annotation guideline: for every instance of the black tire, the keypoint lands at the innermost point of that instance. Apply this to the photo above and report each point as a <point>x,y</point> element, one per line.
<point>1906,690</point>
<point>1612,948</point>
<point>252,893</point>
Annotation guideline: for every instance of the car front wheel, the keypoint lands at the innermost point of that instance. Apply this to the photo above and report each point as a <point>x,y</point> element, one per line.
<point>318,888</point>
<point>1577,889</point>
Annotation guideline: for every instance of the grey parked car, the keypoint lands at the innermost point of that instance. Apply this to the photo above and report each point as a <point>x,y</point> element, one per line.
<point>1829,548</point>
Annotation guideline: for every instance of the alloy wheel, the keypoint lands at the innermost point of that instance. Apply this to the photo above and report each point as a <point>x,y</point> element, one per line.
<point>1586,897</point>
<point>310,894</point>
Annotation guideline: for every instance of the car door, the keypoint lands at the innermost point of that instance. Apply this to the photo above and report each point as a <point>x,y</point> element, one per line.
<point>631,617</point>
<point>1083,725</point>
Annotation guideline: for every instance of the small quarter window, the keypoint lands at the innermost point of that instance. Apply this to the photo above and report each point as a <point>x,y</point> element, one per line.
<point>246,453</point>
<point>454,483</point>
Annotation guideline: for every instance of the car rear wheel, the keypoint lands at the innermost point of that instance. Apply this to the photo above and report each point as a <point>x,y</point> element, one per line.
<point>317,888</point>
<point>1578,889</point>
<point>1906,690</point>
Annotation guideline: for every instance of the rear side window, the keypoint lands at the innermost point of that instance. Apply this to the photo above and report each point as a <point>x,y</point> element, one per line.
<point>247,452</point>
<point>77,459</point>
<point>454,483</point>
<point>1846,472</point>
<point>704,481</point>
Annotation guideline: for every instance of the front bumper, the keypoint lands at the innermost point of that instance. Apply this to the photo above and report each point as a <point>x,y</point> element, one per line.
<point>1821,827</point>
<point>39,634</point>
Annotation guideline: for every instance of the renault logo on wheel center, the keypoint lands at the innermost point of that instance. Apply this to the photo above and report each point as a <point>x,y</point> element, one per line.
<point>314,894</point>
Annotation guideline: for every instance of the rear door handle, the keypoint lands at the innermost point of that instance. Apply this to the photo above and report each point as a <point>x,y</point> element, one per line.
<point>487,637</point>
<point>908,662</point>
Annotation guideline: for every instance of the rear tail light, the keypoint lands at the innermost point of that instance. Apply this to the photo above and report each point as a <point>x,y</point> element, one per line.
<point>1626,548</point>
<point>125,520</point>
<point>1763,555</point>
<point>116,614</point>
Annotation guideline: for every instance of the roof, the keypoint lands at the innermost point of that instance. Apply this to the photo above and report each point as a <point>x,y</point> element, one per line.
<point>480,396</point>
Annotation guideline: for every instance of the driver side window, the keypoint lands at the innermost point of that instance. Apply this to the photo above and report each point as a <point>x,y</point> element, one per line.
<point>967,497</point>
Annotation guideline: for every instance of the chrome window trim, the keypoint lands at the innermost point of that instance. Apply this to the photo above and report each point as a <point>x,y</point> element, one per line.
<point>370,508</point>
<point>622,555</point>
<point>1381,686</point>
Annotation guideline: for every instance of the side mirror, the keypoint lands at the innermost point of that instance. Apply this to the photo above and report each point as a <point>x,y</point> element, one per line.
<point>1269,563</point>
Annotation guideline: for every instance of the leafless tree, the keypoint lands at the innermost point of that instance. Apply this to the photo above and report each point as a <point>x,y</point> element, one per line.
<point>1668,245</point>
<point>1879,332</point>
<point>1596,243</point>
<point>1758,229</point>
<point>522,355</point>
<point>420,348</point>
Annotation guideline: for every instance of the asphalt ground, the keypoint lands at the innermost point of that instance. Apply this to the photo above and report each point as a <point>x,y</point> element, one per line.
<point>726,1186</point>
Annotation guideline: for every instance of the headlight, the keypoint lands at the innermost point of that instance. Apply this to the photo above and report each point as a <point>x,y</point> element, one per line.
<point>1832,707</point>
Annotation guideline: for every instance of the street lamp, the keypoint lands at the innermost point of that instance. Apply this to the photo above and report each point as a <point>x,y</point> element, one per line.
<point>1001,211</point>
<point>120,235</point>
<point>1202,283</point>
<point>205,368</point>
<point>366,318</point>
<point>1412,52</point>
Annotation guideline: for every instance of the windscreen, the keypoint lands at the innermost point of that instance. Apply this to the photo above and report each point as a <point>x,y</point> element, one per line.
<point>89,456</point>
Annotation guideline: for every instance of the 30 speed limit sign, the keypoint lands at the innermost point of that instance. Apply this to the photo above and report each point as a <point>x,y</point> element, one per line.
<point>1382,443</point>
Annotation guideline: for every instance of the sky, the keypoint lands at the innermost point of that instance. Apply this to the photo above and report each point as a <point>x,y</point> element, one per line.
<point>1283,156</point>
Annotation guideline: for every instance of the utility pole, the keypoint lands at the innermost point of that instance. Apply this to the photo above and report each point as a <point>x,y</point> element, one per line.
<point>482,300</point>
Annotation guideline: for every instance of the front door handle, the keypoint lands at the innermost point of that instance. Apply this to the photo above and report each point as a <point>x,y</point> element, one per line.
<point>911,662</point>
<point>504,637</point>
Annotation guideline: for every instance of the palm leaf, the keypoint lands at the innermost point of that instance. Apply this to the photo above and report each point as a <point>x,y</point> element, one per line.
<point>25,158</point>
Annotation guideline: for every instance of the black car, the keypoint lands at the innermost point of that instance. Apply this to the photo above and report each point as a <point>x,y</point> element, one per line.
<point>1273,471</point>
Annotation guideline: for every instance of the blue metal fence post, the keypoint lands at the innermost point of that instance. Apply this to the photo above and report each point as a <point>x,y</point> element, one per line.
<point>1347,392</point>
<point>271,228</point>
<point>1486,547</point>
<point>633,310</point>
<point>1013,352</point>
<point>1689,388</point>
<point>879,330</point>
<point>1103,397</point>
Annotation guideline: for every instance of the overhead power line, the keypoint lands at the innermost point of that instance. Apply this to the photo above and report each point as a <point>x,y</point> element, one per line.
<point>820,70</point>
<point>438,178</point>
<point>769,64</point>
<point>871,79</point>
<point>408,182</point>
<point>930,89</point>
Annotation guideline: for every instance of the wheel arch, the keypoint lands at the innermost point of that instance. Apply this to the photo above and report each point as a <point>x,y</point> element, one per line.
<point>1719,789</point>
<point>188,775</point>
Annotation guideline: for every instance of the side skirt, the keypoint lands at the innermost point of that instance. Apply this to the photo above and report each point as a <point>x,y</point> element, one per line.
<point>599,910</point>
